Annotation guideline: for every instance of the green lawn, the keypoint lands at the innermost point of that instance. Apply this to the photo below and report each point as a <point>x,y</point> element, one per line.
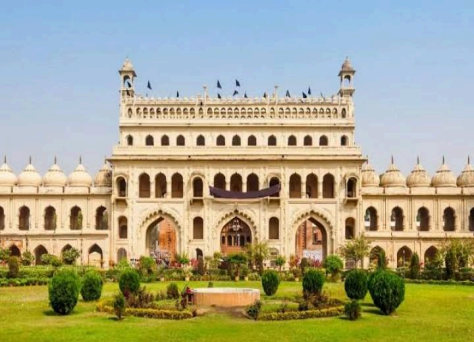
<point>430,313</point>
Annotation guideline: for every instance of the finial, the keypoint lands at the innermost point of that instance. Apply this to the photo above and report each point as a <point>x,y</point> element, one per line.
<point>367,157</point>
<point>29,159</point>
<point>443,159</point>
<point>392,158</point>
<point>468,159</point>
<point>5,159</point>
<point>418,159</point>
<point>80,159</point>
<point>55,160</point>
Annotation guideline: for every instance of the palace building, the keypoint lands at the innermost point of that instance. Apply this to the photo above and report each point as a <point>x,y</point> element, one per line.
<point>203,174</point>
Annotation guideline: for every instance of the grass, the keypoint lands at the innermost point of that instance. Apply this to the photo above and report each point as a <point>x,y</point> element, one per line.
<point>429,313</point>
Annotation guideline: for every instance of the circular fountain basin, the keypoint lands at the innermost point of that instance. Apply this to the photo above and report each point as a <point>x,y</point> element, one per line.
<point>225,297</point>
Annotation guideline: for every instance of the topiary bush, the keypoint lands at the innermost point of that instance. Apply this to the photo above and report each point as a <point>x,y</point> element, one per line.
<point>387,291</point>
<point>382,261</point>
<point>129,282</point>
<point>119,305</point>
<point>254,310</point>
<point>13,267</point>
<point>172,291</point>
<point>64,291</point>
<point>415,266</point>
<point>356,284</point>
<point>333,265</point>
<point>313,282</point>
<point>352,310</point>
<point>27,258</point>
<point>91,288</point>
<point>270,282</point>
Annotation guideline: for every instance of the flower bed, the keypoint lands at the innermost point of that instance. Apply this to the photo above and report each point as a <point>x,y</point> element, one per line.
<point>148,313</point>
<point>290,315</point>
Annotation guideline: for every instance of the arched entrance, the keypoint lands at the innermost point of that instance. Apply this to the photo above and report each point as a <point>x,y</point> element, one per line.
<point>311,240</point>
<point>235,235</point>
<point>161,239</point>
<point>95,257</point>
<point>39,252</point>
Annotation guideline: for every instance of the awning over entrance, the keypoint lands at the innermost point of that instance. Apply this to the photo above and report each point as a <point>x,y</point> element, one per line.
<point>273,190</point>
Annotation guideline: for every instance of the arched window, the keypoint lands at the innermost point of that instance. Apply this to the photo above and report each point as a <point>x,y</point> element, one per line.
<point>220,140</point>
<point>308,141</point>
<point>197,187</point>
<point>370,219</point>
<point>449,220</point>
<point>121,187</point>
<point>343,140</point>
<point>235,140</point>
<point>198,228</point>
<point>252,141</point>
<point>323,140</point>
<point>24,222</point>
<point>328,186</point>
<point>272,140</point>
<point>423,219</point>
<point>295,186</point>
<point>351,189</point>
<point>2,219</point>
<point>101,218</point>
<point>403,256</point>
<point>122,254</point>
<point>180,141</point>
<point>274,229</point>
<point>200,141</point>
<point>274,181</point>
<point>430,255</point>
<point>236,183</point>
<point>15,251</point>
<point>312,186</point>
<point>129,140</point>
<point>144,186</point>
<point>471,220</point>
<point>291,140</point>
<point>50,218</point>
<point>396,219</point>
<point>160,185</point>
<point>350,228</point>
<point>343,113</point>
<point>75,218</point>
<point>219,181</point>
<point>149,141</point>
<point>165,140</point>
<point>252,182</point>
<point>177,186</point>
<point>123,227</point>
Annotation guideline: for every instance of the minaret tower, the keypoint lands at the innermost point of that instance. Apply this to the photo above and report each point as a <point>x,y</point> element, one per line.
<point>127,76</point>
<point>346,75</point>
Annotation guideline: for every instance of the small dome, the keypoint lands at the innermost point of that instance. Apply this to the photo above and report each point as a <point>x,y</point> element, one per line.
<point>369,177</point>
<point>418,177</point>
<point>29,176</point>
<point>104,176</point>
<point>466,178</point>
<point>392,177</point>
<point>127,65</point>
<point>80,177</point>
<point>347,66</point>
<point>7,177</point>
<point>55,176</point>
<point>443,177</point>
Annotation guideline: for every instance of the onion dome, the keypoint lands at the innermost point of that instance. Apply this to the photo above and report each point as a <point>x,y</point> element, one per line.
<point>7,177</point>
<point>368,175</point>
<point>127,65</point>
<point>80,176</point>
<point>29,176</point>
<point>444,177</point>
<point>466,178</point>
<point>104,176</point>
<point>55,176</point>
<point>418,177</point>
<point>392,177</point>
<point>347,66</point>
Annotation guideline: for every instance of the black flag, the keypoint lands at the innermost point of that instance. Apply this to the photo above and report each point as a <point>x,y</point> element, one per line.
<point>288,93</point>
<point>237,83</point>
<point>219,96</point>
<point>265,95</point>
<point>129,84</point>
<point>177,93</point>
<point>304,95</point>
<point>235,93</point>
<point>322,95</point>
<point>309,90</point>
<point>149,85</point>
<point>219,84</point>
<point>245,95</point>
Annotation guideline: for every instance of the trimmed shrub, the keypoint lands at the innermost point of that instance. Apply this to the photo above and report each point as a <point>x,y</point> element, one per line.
<point>304,264</point>
<point>91,286</point>
<point>387,291</point>
<point>382,261</point>
<point>270,282</point>
<point>451,261</point>
<point>27,258</point>
<point>13,267</point>
<point>172,291</point>
<point>129,282</point>
<point>333,265</point>
<point>143,299</point>
<point>64,292</point>
<point>290,315</point>
<point>414,266</point>
<point>148,269</point>
<point>254,310</point>
<point>313,282</point>
<point>352,310</point>
<point>119,305</point>
<point>356,284</point>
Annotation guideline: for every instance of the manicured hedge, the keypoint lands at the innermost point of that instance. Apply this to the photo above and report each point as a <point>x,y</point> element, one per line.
<point>148,313</point>
<point>24,282</point>
<point>289,315</point>
<point>439,282</point>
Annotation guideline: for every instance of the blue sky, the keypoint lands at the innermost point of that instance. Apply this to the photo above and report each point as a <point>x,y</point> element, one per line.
<point>414,61</point>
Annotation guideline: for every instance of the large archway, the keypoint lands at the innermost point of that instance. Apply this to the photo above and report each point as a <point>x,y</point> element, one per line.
<point>235,235</point>
<point>311,240</point>
<point>39,252</point>
<point>161,239</point>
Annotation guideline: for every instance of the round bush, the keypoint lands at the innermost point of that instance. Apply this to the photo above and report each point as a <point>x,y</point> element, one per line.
<point>13,267</point>
<point>356,284</point>
<point>172,291</point>
<point>91,286</point>
<point>387,291</point>
<point>270,282</point>
<point>313,282</point>
<point>64,292</point>
<point>333,265</point>
<point>129,282</point>
<point>352,310</point>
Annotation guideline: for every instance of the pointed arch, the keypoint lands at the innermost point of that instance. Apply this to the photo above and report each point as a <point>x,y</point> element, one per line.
<point>15,251</point>
<point>177,186</point>
<point>236,140</point>
<point>220,141</point>
<point>219,181</point>
<point>122,254</point>
<point>292,140</point>
<point>198,228</point>
<point>423,219</point>
<point>200,140</point>
<point>252,182</point>
<point>50,218</point>
<point>165,140</point>
<point>144,186</point>
<point>397,219</point>
<point>449,220</point>
<point>272,140</point>
<point>95,256</point>
<point>39,251</point>
<point>252,140</point>
<point>323,140</point>
<point>198,187</point>
<point>236,183</point>
<point>129,140</point>
<point>430,255</point>
<point>350,228</point>
<point>123,227</point>
<point>312,186</point>
<point>180,140</point>
<point>403,256</point>
<point>308,141</point>
<point>24,218</point>
<point>149,141</point>
<point>274,228</point>
<point>295,186</point>
<point>344,140</point>
<point>121,187</point>
<point>160,185</point>
<point>101,218</point>
<point>371,219</point>
<point>75,218</point>
<point>328,186</point>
